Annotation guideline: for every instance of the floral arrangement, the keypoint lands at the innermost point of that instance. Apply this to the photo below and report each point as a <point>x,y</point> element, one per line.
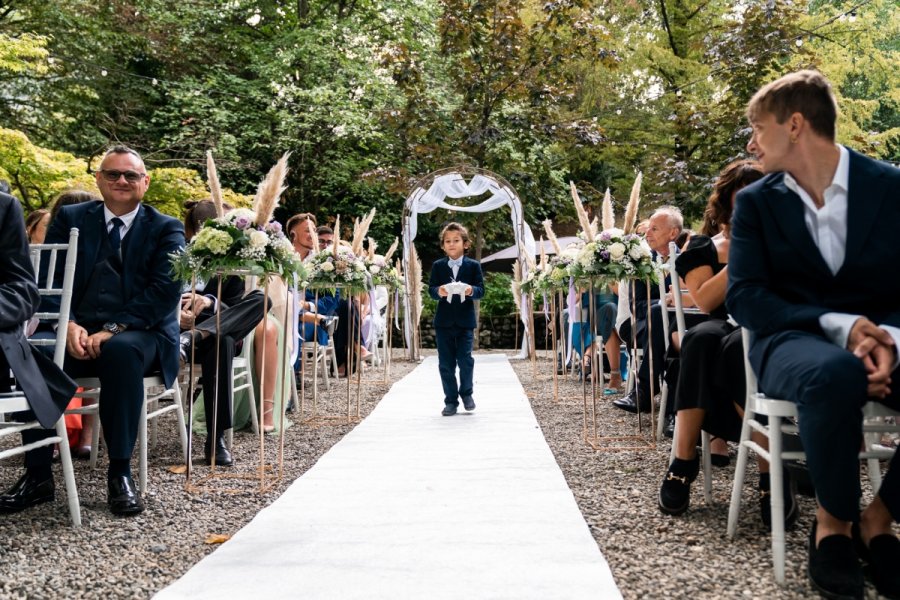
<point>380,268</point>
<point>338,267</point>
<point>614,255</point>
<point>559,269</point>
<point>243,239</point>
<point>384,274</point>
<point>234,243</point>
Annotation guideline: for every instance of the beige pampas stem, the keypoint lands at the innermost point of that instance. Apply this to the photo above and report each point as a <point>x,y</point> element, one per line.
<point>609,217</point>
<point>543,254</point>
<point>415,282</point>
<point>582,215</point>
<point>372,245</point>
<point>360,230</point>
<point>631,211</point>
<point>548,227</point>
<point>215,189</point>
<point>314,235</point>
<point>270,190</point>
<point>515,286</point>
<point>337,236</point>
<point>390,252</point>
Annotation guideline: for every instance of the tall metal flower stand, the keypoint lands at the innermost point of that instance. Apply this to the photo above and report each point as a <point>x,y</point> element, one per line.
<point>267,475</point>
<point>318,415</point>
<point>637,441</point>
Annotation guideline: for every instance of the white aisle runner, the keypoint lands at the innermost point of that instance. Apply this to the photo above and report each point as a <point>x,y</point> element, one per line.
<point>411,504</point>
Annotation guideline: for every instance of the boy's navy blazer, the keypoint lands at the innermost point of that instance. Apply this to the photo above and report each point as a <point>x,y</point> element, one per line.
<point>456,313</point>
<point>151,294</point>
<point>777,278</point>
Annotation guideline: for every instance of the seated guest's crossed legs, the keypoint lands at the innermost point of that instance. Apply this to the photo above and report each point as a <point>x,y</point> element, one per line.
<point>828,384</point>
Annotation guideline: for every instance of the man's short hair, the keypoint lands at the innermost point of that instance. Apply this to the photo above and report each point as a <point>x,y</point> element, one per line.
<point>676,220</point>
<point>297,219</point>
<point>324,229</point>
<point>805,92</point>
<point>122,149</point>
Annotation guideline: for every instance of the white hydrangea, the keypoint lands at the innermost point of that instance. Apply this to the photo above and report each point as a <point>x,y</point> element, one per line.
<point>374,269</point>
<point>636,253</point>
<point>327,266</point>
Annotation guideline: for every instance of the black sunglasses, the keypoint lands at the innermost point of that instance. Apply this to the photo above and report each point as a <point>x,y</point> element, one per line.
<point>111,175</point>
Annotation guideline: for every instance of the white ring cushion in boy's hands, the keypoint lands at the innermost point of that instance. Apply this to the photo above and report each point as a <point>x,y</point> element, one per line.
<point>456,288</point>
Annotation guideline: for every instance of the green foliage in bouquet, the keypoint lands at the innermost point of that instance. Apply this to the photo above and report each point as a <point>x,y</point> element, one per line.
<point>613,256</point>
<point>233,243</point>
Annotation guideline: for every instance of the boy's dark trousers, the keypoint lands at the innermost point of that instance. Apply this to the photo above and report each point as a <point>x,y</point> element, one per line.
<point>454,345</point>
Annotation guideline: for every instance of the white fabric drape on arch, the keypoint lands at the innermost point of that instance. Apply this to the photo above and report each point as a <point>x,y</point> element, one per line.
<point>454,185</point>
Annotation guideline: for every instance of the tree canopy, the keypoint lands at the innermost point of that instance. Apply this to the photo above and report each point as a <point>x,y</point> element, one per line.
<point>371,95</point>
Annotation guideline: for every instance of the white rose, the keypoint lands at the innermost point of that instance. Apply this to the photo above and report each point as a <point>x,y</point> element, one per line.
<point>327,267</point>
<point>374,269</point>
<point>617,251</point>
<point>258,239</point>
<point>359,266</point>
<point>645,249</point>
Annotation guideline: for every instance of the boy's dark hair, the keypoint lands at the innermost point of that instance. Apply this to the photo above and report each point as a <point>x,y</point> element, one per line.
<point>460,229</point>
<point>324,229</point>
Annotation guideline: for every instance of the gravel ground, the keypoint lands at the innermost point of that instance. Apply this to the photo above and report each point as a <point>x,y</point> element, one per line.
<point>42,556</point>
<point>653,555</point>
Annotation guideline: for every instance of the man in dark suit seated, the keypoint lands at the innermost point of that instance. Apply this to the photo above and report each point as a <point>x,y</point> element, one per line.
<point>666,224</point>
<point>123,323</point>
<point>813,275</point>
<point>47,389</point>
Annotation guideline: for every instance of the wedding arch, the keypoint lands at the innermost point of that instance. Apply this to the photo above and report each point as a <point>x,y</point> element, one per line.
<point>432,192</point>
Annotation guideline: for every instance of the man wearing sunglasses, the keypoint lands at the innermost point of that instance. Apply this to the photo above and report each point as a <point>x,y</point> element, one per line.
<point>122,323</point>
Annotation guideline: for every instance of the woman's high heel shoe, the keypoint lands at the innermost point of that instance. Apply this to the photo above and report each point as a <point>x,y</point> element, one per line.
<point>268,411</point>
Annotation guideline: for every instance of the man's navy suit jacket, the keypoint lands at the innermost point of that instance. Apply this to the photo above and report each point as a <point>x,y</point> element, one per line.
<point>456,313</point>
<point>777,278</point>
<point>151,294</point>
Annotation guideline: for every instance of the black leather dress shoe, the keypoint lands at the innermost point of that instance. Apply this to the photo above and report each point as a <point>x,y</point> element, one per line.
<point>468,403</point>
<point>28,491</point>
<point>629,403</point>
<point>185,342</point>
<point>223,455</point>
<point>449,410</point>
<point>123,497</point>
<point>669,427</point>
<point>834,569</point>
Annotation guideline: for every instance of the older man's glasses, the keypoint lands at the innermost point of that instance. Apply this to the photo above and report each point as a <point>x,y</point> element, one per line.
<point>112,176</point>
